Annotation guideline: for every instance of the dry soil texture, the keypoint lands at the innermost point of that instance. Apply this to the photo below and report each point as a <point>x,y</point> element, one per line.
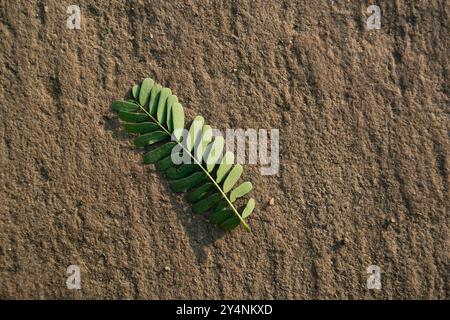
<point>364,149</point>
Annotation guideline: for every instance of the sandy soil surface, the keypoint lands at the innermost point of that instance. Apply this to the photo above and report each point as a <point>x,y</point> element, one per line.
<point>364,126</point>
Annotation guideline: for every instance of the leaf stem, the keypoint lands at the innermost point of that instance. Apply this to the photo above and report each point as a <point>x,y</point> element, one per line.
<point>246,226</point>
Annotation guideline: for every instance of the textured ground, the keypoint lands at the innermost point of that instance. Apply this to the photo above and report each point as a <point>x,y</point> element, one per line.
<point>364,125</point>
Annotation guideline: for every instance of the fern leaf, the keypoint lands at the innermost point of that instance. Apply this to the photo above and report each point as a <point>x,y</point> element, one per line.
<point>156,115</point>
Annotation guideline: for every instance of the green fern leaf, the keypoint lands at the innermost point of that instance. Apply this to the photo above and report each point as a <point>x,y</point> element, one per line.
<point>156,115</point>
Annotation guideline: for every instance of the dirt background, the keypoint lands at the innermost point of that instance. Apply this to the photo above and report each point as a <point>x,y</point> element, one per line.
<point>364,125</point>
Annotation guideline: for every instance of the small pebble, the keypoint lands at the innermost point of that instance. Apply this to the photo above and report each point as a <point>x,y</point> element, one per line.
<point>167,268</point>
<point>272,202</point>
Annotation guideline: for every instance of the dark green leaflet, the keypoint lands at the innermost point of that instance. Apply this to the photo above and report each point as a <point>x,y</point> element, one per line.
<point>158,153</point>
<point>133,116</point>
<point>185,184</point>
<point>143,127</point>
<point>165,163</point>
<point>221,205</point>
<point>206,204</point>
<point>182,171</point>
<point>120,105</point>
<point>157,115</point>
<point>200,192</point>
<point>230,223</point>
<point>150,138</point>
<point>220,216</point>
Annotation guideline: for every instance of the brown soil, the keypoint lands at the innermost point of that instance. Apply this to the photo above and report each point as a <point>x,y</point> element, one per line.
<point>364,125</point>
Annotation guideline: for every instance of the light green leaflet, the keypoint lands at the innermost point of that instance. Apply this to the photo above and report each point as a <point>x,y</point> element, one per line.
<point>225,166</point>
<point>232,178</point>
<point>144,92</point>
<point>213,153</point>
<point>194,134</point>
<point>241,191</point>
<point>156,115</point>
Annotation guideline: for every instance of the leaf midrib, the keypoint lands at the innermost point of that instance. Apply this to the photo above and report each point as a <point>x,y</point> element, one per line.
<point>246,226</point>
